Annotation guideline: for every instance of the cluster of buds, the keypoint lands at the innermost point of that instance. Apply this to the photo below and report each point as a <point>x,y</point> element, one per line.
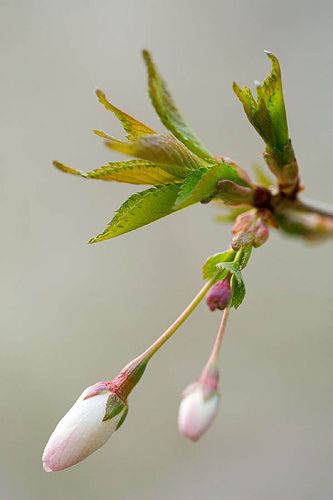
<point>102,408</point>
<point>250,229</point>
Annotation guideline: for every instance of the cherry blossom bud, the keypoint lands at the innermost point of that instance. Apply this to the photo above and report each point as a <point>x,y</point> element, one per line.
<point>219,295</point>
<point>198,407</point>
<point>261,233</point>
<point>96,414</point>
<point>243,222</point>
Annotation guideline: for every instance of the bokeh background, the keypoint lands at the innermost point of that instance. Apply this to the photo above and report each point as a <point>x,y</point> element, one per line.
<point>73,314</point>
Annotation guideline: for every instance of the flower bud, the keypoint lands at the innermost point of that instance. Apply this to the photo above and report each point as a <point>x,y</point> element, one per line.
<point>243,222</point>
<point>198,407</point>
<point>261,233</point>
<point>96,414</point>
<point>219,295</point>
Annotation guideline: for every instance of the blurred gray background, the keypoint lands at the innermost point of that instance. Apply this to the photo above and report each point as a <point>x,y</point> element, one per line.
<point>73,314</point>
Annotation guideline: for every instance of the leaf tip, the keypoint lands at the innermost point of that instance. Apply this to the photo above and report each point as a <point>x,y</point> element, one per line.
<point>99,133</point>
<point>236,88</point>
<point>100,95</point>
<point>274,59</point>
<point>68,170</point>
<point>146,56</point>
<point>58,165</point>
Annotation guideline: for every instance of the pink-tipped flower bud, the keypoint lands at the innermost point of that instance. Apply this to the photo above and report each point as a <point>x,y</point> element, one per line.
<point>243,222</point>
<point>198,407</point>
<point>261,233</point>
<point>219,295</point>
<point>96,414</point>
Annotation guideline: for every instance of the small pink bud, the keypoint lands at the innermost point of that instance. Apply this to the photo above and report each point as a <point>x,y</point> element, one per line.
<point>219,295</point>
<point>243,222</point>
<point>96,414</point>
<point>261,233</point>
<point>198,407</point>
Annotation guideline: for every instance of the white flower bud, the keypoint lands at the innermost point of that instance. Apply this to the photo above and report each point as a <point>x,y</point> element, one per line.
<point>85,428</point>
<point>197,410</point>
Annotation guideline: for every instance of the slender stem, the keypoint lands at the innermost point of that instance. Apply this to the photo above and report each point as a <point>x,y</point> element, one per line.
<point>218,341</point>
<point>179,321</point>
<point>130,375</point>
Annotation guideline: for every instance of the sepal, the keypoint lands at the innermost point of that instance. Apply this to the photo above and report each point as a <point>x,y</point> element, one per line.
<point>114,406</point>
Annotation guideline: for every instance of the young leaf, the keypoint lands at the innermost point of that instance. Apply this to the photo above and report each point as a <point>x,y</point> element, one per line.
<point>132,172</point>
<point>204,186</point>
<point>246,254</point>
<point>210,266</point>
<point>238,292</point>
<point>232,267</point>
<point>168,112</point>
<point>267,114</point>
<point>133,128</point>
<point>188,186</point>
<point>270,94</point>
<point>68,170</point>
<point>140,209</point>
<point>159,149</point>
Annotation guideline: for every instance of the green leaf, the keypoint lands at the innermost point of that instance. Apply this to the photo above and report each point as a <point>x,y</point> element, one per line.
<point>133,128</point>
<point>141,209</point>
<point>160,149</point>
<point>232,267</point>
<point>114,406</point>
<point>188,186</point>
<point>238,292</point>
<point>210,266</point>
<point>267,114</point>
<point>245,256</point>
<point>270,94</point>
<point>132,172</point>
<point>204,185</point>
<point>168,112</point>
